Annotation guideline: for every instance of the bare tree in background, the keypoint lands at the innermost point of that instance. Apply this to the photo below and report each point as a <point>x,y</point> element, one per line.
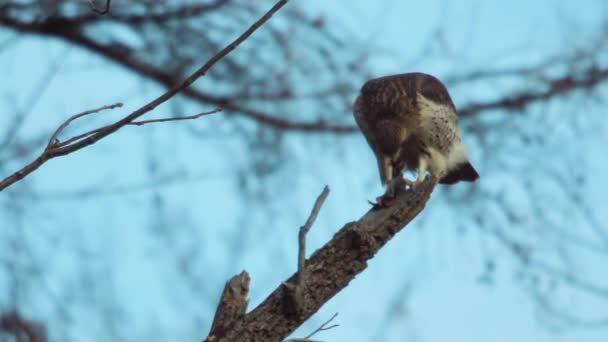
<point>302,61</point>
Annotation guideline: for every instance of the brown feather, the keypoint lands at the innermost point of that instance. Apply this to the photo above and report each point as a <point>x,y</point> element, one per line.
<point>400,130</point>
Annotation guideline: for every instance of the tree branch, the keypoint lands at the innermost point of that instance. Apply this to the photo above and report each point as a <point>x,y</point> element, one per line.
<point>178,118</point>
<point>14,324</point>
<point>72,31</point>
<point>232,305</point>
<point>104,11</point>
<point>53,141</point>
<point>568,83</point>
<point>329,269</point>
<point>62,150</point>
<point>324,327</point>
<point>299,287</point>
<point>137,123</point>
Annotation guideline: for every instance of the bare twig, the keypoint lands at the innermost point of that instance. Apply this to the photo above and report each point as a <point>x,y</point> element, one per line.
<point>94,137</point>
<point>136,123</point>
<point>95,9</point>
<point>302,243</point>
<point>179,118</point>
<point>53,141</point>
<point>324,327</point>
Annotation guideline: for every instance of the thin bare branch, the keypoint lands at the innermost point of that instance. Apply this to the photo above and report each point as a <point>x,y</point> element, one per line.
<point>135,123</point>
<point>325,326</point>
<point>53,141</point>
<point>302,244</point>
<point>179,118</point>
<point>94,137</point>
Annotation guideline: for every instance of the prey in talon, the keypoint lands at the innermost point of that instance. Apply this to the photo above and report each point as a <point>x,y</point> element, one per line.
<point>410,123</point>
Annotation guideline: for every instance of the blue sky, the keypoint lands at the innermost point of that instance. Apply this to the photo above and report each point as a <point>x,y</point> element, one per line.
<point>429,276</point>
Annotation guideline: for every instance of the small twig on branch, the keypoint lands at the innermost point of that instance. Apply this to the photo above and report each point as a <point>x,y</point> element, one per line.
<point>324,327</point>
<point>53,141</point>
<point>179,118</point>
<point>136,123</point>
<point>107,130</point>
<point>302,244</point>
<point>232,305</point>
<point>96,9</point>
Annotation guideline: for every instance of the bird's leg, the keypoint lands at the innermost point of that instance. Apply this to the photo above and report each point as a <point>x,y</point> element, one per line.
<point>393,187</point>
<point>422,167</point>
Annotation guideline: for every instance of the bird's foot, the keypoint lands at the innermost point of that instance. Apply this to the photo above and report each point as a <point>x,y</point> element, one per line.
<point>394,187</point>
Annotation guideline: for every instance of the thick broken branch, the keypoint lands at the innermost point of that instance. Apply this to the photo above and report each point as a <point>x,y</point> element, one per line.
<point>232,305</point>
<point>329,270</point>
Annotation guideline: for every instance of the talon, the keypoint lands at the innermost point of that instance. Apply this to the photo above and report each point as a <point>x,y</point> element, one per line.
<point>382,202</point>
<point>395,186</point>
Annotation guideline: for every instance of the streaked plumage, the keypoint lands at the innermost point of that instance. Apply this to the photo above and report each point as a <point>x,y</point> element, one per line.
<point>410,122</point>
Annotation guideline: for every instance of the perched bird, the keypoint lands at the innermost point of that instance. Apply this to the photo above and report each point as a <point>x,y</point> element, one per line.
<point>410,122</point>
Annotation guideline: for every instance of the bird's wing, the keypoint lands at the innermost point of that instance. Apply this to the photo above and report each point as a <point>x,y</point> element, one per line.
<point>372,133</point>
<point>432,89</point>
<point>381,111</point>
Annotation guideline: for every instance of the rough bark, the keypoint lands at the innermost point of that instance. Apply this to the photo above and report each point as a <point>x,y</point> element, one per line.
<point>329,270</point>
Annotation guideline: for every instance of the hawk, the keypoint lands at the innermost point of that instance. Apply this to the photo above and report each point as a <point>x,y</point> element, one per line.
<point>410,123</point>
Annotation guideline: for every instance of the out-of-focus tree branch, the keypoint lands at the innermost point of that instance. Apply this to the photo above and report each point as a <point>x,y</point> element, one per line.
<point>54,150</point>
<point>554,88</point>
<point>99,11</point>
<point>12,324</point>
<point>76,30</point>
